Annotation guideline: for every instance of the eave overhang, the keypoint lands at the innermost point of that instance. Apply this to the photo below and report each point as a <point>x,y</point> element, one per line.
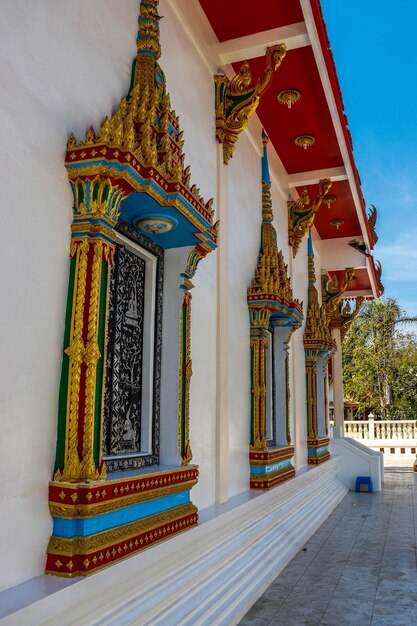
<point>244,33</point>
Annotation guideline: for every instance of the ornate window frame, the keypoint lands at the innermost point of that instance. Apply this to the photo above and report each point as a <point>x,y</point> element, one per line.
<point>131,169</point>
<point>319,347</point>
<point>271,305</point>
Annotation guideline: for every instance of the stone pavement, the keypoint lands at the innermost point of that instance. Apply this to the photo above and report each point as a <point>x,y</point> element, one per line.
<point>359,568</point>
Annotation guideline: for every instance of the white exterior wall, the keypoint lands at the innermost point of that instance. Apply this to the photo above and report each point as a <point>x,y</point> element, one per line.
<point>191,90</point>
<point>67,65</point>
<point>244,209</point>
<point>64,66</point>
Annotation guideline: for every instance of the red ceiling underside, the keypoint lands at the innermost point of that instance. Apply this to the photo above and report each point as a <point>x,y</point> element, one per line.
<point>310,116</point>
<point>359,283</point>
<point>342,207</point>
<point>236,18</point>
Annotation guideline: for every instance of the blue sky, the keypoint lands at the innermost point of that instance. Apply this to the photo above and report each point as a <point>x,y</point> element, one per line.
<point>375,50</point>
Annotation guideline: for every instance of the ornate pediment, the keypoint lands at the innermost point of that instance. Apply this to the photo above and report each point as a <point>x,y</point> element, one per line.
<point>139,148</point>
<point>317,334</point>
<point>271,286</point>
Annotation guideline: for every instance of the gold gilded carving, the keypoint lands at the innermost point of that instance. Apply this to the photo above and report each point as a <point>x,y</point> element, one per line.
<point>372,218</point>
<point>378,272</point>
<point>91,357</point>
<point>301,215</point>
<point>76,468</point>
<point>237,99</point>
<point>289,96</point>
<point>346,312</point>
<point>154,193</point>
<point>270,293</point>
<point>75,352</point>
<point>305,141</point>
<point>259,344</point>
<point>208,241</point>
<point>143,128</point>
<point>332,294</point>
<point>97,199</point>
<point>317,341</point>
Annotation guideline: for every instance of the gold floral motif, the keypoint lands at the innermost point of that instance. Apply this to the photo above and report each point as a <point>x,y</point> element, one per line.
<point>75,352</point>
<point>91,357</point>
<point>237,99</point>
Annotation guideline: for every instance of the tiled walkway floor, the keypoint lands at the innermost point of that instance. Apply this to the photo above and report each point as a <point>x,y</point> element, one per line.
<point>359,568</point>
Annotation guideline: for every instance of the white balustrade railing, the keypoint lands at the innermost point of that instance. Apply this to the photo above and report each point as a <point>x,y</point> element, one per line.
<point>387,431</point>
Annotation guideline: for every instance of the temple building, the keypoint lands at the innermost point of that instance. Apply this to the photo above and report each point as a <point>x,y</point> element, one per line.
<point>186,245</point>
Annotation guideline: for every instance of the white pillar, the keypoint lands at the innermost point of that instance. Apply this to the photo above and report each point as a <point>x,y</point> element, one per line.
<point>222,360</point>
<point>338,382</point>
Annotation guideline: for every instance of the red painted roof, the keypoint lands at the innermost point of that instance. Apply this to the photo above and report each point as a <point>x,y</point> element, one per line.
<point>238,18</point>
<point>283,125</point>
<point>359,283</point>
<point>342,207</point>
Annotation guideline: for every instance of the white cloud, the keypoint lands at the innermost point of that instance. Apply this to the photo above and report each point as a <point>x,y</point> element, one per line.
<point>399,259</point>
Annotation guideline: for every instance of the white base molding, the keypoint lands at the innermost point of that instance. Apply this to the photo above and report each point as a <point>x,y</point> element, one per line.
<point>210,575</point>
<point>357,459</point>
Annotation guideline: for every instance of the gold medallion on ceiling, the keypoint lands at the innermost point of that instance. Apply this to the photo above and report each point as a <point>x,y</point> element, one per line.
<point>305,141</point>
<point>289,97</point>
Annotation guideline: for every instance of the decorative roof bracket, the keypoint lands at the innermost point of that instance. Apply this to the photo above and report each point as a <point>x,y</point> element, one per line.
<point>301,215</point>
<point>237,99</point>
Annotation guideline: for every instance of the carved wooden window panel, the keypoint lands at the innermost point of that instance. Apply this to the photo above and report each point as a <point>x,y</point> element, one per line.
<point>133,355</point>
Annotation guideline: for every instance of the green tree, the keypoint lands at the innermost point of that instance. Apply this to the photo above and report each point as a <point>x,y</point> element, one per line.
<point>380,361</point>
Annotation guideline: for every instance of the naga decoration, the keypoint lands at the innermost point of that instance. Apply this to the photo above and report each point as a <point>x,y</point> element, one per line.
<point>136,156</point>
<point>301,215</point>
<point>332,293</point>
<point>345,313</point>
<point>318,347</point>
<point>360,247</point>
<point>237,99</point>
<point>271,303</point>
<point>372,218</point>
<point>378,272</point>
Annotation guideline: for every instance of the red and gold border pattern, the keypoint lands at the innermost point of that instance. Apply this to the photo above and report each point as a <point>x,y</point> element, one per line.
<point>85,500</point>
<point>92,157</point>
<point>268,481</point>
<point>272,455</point>
<point>81,556</point>
<point>316,444</point>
